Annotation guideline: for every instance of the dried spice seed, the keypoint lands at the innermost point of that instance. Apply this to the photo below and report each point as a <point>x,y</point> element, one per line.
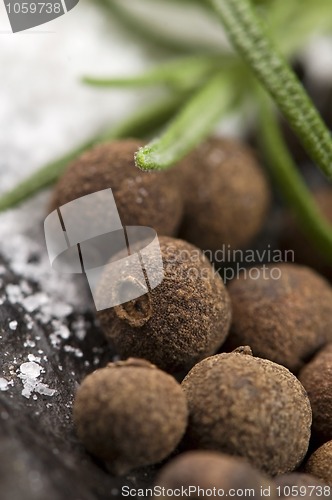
<point>285,320</point>
<point>248,407</point>
<point>316,378</point>
<point>320,463</point>
<point>178,323</point>
<point>227,195</point>
<point>130,414</point>
<point>208,470</point>
<point>303,482</point>
<point>143,198</point>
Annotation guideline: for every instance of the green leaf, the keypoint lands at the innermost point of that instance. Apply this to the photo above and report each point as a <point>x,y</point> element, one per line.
<point>290,182</point>
<point>182,73</point>
<point>192,124</point>
<point>250,38</point>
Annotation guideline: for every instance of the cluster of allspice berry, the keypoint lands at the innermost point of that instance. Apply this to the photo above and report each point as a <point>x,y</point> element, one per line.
<point>241,418</point>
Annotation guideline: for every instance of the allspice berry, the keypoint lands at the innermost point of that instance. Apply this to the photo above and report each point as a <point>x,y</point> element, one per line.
<point>249,407</point>
<point>284,314</point>
<point>208,474</point>
<point>179,322</point>
<point>304,483</point>
<point>130,414</point>
<point>316,378</point>
<point>320,463</point>
<point>227,195</point>
<point>142,198</point>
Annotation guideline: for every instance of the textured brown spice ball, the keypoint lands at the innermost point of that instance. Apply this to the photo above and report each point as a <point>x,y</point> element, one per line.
<point>320,463</point>
<point>143,198</point>
<point>316,377</point>
<point>293,238</point>
<point>285,316</point>
<point>248,407</point>
<point>208,470</point>
<point>301,481</point>
<point>130,414</point>
<point>226,195</point>
<point>178,323</point>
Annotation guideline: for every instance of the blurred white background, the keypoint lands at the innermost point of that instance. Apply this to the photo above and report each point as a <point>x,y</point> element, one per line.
<point>44,108</point>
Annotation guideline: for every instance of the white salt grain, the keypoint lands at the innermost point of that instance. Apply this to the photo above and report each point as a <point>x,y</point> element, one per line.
<point>30,369</point>
<point>32,357</point>
<point>33,302</point>
<point>3,384</point>
<point>77,352</point>
<point>29,374</point>
<point>13,325</point>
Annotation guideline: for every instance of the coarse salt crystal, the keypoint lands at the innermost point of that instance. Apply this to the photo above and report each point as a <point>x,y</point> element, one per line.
<point>3,384</point>
<point>13,325</point>
<point>30,369</point>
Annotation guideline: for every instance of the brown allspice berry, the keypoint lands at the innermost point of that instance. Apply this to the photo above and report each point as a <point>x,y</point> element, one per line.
<point>249,407</point>
<point>284,312</point>
<point>200,472</point>
<point>320,463</point>
<point>179,322</point>
<point>143,198</point>
<point>304,483</point>
<point>294,239</point>
<point>226,195</point>
<point>130,414</point>
<point>316,377</point>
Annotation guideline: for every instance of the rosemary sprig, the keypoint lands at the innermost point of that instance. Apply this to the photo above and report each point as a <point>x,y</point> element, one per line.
<point>191,125</point>
<point>290,182</point>
<point>182,73</point>
<point>252,42</point>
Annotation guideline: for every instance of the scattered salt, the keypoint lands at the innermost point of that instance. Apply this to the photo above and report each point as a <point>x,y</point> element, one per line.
<point>3,384</point>
<point>79,328</point>
<point>14,293</point>
<point>29,343</point>
<point>77,352</point>
<point>25,287</point>
<point>30,369</point>
<point>29,374</point>
<point>31,357</point>
<point>58,310</point>
<point>33,302</point>
<point>44,390</point>
<point>60,333</point>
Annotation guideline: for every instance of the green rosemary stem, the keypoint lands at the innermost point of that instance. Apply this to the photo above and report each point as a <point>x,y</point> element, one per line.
<point>249,37</point>
<point>181,73</point>
<point>140,124</point>
<point>39,179</point>
<point>191,125</point>
<point>290,182</point>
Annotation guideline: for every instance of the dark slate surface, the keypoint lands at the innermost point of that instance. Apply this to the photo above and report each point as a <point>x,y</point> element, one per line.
<point>41,458</point>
